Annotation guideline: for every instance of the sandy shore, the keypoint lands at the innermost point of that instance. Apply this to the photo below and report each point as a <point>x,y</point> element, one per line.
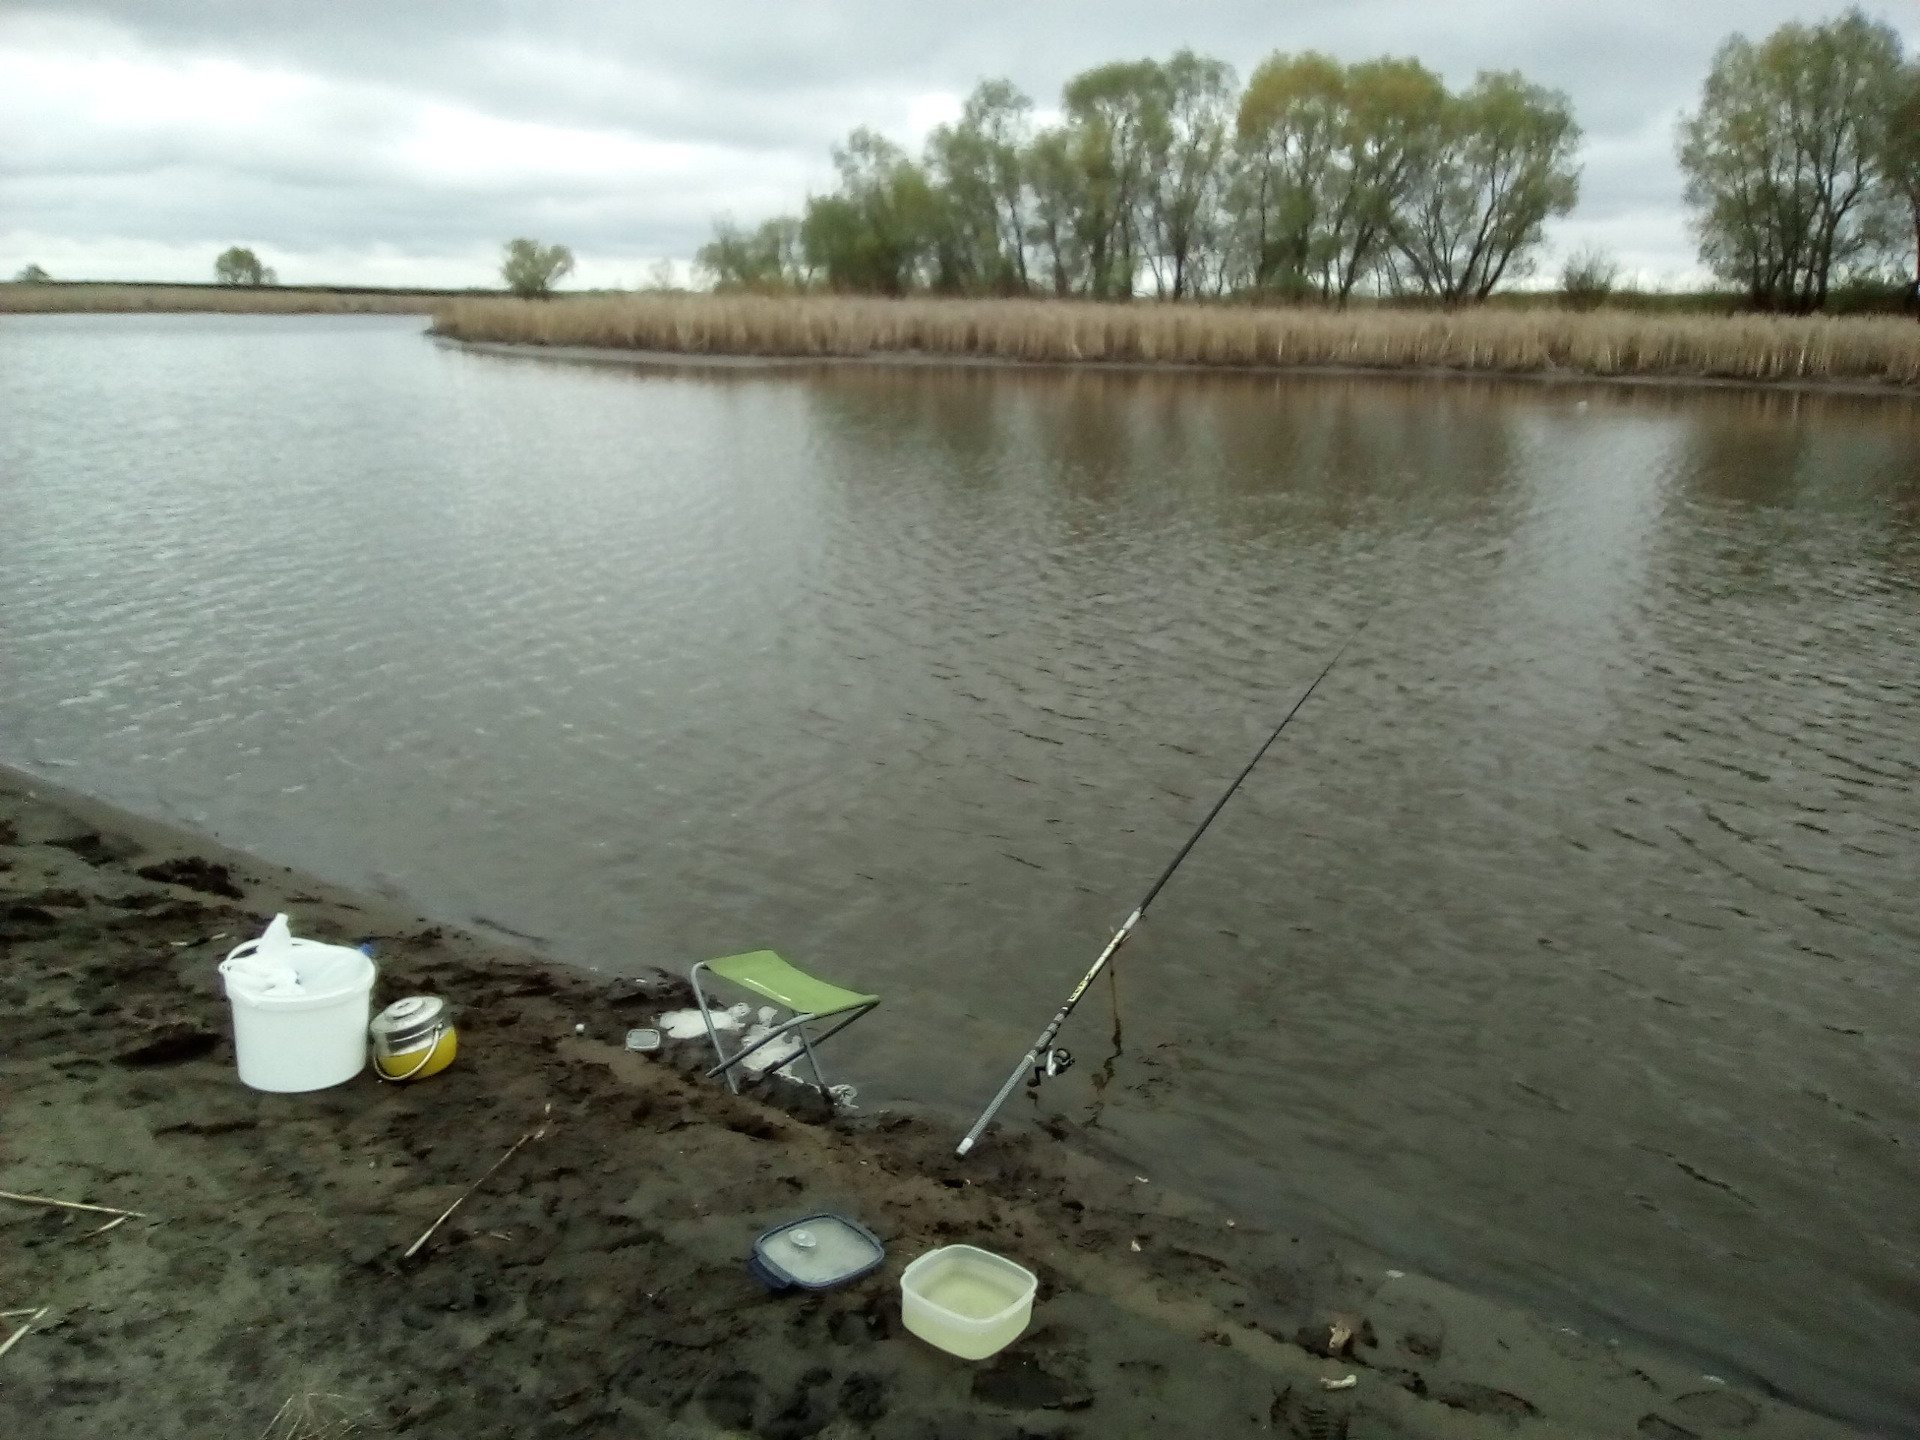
<point>596,1285</point>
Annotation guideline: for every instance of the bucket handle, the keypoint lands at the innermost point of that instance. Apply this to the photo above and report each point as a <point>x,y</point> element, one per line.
<point>245,947</point>
<point>425,1060</point>
<point>248,947</point>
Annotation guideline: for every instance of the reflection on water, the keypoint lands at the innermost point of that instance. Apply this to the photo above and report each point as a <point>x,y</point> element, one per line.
<point>1564,945</point>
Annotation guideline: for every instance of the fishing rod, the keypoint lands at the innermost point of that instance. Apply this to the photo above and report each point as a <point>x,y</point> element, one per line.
<point>1042,1059</point>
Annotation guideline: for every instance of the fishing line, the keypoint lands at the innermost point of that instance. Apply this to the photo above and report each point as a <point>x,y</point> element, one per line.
<point>1103,1077</point>
<point>1042,1060</point>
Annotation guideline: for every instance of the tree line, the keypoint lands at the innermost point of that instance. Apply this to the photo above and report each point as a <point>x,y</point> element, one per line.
<point>1315,180</point>
<point>1318,180</point>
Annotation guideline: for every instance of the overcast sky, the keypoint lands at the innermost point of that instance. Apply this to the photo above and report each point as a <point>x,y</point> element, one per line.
<point>403,141</point>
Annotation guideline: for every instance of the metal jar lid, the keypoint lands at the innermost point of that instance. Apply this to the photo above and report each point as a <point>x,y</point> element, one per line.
<point>405,1023</point>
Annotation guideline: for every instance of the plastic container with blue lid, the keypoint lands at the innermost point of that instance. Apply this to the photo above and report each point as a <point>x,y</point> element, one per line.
<point>815,1253</point>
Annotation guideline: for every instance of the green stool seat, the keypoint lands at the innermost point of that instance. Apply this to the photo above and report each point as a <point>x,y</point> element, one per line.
<point>767,975</point>
<point>763,973</point>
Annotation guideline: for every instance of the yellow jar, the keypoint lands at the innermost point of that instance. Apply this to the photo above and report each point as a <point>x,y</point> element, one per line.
<point>413,1038</point>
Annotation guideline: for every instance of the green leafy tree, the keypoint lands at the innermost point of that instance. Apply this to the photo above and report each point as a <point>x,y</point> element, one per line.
<point>877,233</point>
<point>1286,134</point>
<point>1057,188</point>
<point>1499,163</point>
<point>768,259</point>
<point>966,249</point>
<point>1781,158</point>
<point>1391,126</point>
<point>977,168</point>
<point>531,269</point>
<point>1320,178</point>
<point>1188,128</point>
<point>1900,166</point>
<point>1111,113</point>
<point>237,266</point>
<point>32,275</point>
<point>1328,158</point>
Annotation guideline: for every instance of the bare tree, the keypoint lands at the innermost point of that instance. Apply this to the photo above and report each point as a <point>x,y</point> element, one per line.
<point>1588,278</point>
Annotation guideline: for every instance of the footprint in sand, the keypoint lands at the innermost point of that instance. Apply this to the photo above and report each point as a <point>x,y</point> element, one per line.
<point>1725,1408</point>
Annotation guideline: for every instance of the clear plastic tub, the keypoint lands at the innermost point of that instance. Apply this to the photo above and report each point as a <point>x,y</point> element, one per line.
<point>967,1301</point>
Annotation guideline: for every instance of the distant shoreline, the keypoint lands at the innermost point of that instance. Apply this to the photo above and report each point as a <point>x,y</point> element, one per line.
<point>1857,356</point>
<point>85,297</point>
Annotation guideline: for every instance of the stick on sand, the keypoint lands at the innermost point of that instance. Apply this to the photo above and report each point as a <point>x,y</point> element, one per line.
<point>72,1205</point>
<point>14,1339</point>
<point>414,1248</point>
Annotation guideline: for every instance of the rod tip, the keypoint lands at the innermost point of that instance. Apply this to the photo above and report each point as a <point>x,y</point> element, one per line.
<point>965,1146</point>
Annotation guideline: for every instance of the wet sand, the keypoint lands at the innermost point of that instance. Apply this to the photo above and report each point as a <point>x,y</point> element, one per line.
<point>596,1283</point>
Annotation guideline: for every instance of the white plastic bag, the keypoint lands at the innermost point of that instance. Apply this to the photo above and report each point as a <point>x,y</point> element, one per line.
<point>264,966</point>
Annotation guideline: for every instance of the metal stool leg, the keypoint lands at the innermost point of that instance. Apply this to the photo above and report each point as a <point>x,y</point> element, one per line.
<point>796,1025</point>
<point>725,1066</point>
<point>818,1079</point>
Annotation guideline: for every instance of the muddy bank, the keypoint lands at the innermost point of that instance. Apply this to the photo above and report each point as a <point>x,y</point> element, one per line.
<point>596,1285</point>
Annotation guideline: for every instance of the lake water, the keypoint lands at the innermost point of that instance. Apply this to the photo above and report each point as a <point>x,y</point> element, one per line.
<point>1566,945</point>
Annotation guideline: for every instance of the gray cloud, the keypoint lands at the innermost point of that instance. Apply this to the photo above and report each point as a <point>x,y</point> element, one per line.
<point>657,118</point>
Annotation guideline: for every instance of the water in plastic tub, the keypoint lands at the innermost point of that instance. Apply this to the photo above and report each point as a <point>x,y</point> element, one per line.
<point>969,1302</point>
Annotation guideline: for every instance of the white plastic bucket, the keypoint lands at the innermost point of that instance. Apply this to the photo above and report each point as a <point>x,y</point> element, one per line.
<point>308,1039</point>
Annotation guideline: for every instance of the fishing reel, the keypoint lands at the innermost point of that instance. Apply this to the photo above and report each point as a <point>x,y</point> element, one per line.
<point>1050,1064</point>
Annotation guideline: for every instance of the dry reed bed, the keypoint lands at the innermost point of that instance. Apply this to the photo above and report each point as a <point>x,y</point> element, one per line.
<point>51,299</point>
<point>1879,350</point>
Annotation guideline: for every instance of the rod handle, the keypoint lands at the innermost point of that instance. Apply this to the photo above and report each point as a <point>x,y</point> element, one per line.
<point>1006,1093</point>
